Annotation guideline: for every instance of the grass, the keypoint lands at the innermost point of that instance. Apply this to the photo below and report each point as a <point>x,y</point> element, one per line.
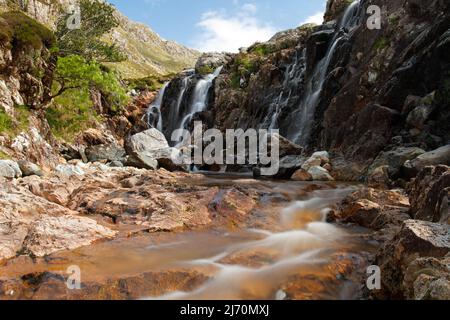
<point>381,43</point>
<point>12,126</point>
<point>70,114</point>
<point>19,29</point>
<point>4,156</point>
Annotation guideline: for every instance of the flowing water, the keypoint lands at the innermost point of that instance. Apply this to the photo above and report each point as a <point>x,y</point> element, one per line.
<point>284,250</point>
<point>300,132</point>
<point>153,116</point>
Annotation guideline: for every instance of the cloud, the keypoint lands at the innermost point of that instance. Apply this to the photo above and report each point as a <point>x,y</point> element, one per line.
<point>221,31</point>
<point>316,18</point>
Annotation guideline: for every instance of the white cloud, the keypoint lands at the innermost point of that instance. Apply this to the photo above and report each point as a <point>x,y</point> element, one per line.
<point>316,18</point>
<point>224,32</point>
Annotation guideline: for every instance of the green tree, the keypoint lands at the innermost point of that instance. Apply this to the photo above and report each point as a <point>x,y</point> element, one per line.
<point>97,19</point>
<point>75,72</point>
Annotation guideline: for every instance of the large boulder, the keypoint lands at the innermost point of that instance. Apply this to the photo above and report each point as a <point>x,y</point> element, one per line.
<point>210,61</point>
<point>150,150</point>
<point>9,169</point>
<point>430,194</point>
<point>320,174</point>
<point>287,147</point>
<point>109,153</point>
<point>287,167</point>
<point>394,159</point>
<point>432,158</point>
<point>416,239</point>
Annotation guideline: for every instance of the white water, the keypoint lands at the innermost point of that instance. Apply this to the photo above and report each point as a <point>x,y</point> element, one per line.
<point>156,105</point>
<point>315,84</point>
<point>199,100</point>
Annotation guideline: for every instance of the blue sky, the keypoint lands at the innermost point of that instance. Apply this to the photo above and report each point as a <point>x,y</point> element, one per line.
<point>220,25</point>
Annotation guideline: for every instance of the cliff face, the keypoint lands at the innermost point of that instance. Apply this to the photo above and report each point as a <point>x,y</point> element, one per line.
<point>146,51</point>
<point>343,87</point>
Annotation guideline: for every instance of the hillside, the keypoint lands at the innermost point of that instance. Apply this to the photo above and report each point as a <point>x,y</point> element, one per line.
<point>147,53</point>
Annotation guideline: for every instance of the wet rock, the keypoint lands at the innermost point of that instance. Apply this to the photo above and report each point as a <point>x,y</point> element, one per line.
<point>320,174</point>
<point>373,209</point>
<point>288,165</point>
<point>380,177</point>
<point>430,194</point>
<point>432,158</point>
<point>29,169</point>
<point>416,239</point>
<point>302,175</point>
<point>9,169</point>
<point>110,152</point>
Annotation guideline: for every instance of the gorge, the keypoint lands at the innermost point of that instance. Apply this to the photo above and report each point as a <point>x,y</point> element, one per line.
<point>364,153</point>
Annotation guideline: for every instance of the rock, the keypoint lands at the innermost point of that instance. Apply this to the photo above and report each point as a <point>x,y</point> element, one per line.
<point>318,159</point>
<point>373,209</point>
<point>429,194</point>
<point>141,161</point>
<point>9,169</point>
<point>428,279</point>
<point>116,164</point>
<point>320,174</point>
<point>70,169</point>
<point>419,116</point>
<point>149,140</point>
<point>51,234</point>
<point>288,165</point>
<point>394,160</point>
<point>379,178</point>
<point>302,175</point>
<point>170,159</point>
<point>287,147</point>
<point>110,152</point>
<point>29,169</point>
<point>70,152</point>
<point>94,137</point>
<point>433,158</point>
<point>208,62</point>
<point>416,239</point>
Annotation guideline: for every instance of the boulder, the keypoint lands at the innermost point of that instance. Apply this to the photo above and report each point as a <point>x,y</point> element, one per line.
<point>287,147</point>
<point>416,239</point>
<point>320,174</point>
<point>395,159</point>
<point>302,175</point>
<point>287,167</point>
<point>29,169</point>
<point>149,140</point>
<point>210,61</point>
<point>439,156</point>
<point>9,169</point>
<point>373,209</point>
<point>101,152</point>
<point>430,193</point>
<point>379,178</point>
<point>169,158</point>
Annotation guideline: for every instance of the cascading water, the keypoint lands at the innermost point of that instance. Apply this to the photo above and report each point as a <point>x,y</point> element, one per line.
<point>153,116</point>
<point>301,131</point>
<point>200,99</point>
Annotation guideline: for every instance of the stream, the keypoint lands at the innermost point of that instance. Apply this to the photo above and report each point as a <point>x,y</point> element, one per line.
<point>284,250</point>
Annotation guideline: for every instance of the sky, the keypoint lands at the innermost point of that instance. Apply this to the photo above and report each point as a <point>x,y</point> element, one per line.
<point>221,25</point>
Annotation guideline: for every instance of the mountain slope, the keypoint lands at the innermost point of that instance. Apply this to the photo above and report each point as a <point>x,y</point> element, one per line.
<point>148,54</point>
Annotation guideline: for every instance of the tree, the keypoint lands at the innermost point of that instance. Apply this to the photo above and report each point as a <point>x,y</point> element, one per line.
<point>75,72</point>
<point>97,19</point>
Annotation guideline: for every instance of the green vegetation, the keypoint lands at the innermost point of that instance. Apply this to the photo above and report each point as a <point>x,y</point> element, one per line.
<point>381,43</point>
<point>204,70</point>
<point>18,29</point>
<point>4,156</point>
<point>244,65</point>
<point>12,126</point>
<point>97,19</point>
<point>151,83</point>
<point>71,113</point>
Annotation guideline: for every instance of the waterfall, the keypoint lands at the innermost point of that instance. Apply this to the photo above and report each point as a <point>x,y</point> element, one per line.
<point>153,115</point>
<point>301,131</point>
<point>200,98</point>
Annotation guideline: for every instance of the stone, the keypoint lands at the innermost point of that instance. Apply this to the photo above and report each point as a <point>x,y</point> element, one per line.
<point>69,170</point>
<point>287,147</point>
<point>416,239</point>
<point>208,62</point>
<point>110,152</point>
<point>436,157</point>
<point>419,116</point>
<point>320,174</point>
<point>116,164</point>
<point>170,159</point>
<point>395,159</point>
<point>379,178</point>
<point>302,175</point>
<point>29,169</point>
<point>9,169</point>
<point>430,193</point>
<point>319,158</point>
